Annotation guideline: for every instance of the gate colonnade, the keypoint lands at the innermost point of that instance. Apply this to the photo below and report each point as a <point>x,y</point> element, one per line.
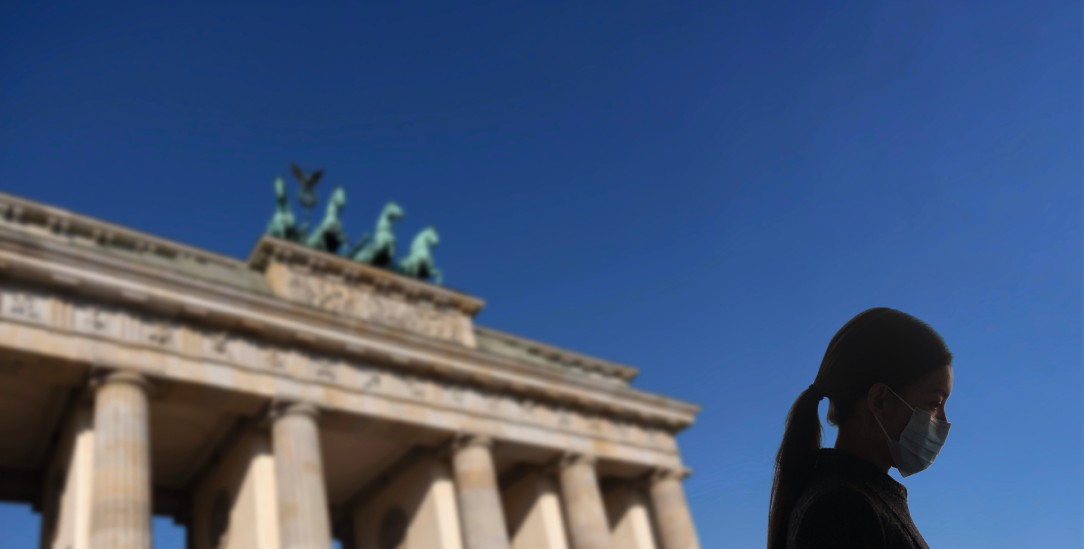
<point>120,502</point>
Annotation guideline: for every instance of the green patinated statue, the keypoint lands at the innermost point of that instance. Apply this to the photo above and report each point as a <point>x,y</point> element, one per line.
<point>419,264</point>
<point>380,249</point>
<point>282,224</point>
<point>306,196</point>
<point>329,235</point>
<point>308,181</point>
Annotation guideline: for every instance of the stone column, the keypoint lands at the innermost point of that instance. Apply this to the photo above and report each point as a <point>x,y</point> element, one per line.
<point>532,507</point>
<point>630,515</point>
<point>121,489</point>
<point>303,514</point>
<point>585,513</point>
<point>672,518</point>
<point>482,515</point>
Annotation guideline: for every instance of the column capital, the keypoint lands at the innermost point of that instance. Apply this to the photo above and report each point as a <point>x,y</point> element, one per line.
<point>102,377</point>
<point>569,459</point>
<point>636,484</point>
<point>566,460</point>
<point>659,474</point>
<point>463,440</point>
<point>283,408</point>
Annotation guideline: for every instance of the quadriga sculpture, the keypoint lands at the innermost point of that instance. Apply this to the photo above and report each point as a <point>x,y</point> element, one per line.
<point>379,250</point>
<point>329,235</point>
<point>282,224</point>
<point>419,264</point>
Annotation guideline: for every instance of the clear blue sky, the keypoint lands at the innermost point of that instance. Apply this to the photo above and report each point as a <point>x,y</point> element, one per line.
<point>705,191</point>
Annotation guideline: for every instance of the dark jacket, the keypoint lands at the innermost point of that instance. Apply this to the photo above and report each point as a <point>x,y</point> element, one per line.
<point>851,504</point>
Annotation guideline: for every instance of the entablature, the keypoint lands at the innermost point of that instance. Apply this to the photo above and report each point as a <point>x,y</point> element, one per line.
<point>149,290</point>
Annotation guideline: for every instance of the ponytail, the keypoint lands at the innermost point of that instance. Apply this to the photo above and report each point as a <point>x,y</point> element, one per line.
<point>794,463</point>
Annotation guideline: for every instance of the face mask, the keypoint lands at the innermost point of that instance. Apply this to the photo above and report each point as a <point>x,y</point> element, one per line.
<point>919,442</point>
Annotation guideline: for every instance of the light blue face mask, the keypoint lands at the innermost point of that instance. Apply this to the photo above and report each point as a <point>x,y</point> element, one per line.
<point>919,442</point>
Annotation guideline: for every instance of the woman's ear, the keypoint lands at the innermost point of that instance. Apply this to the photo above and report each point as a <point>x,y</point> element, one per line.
<point>875,401</point>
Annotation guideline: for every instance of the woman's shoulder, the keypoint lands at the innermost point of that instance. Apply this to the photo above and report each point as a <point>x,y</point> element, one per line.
<point>835,513</point>
<point>825,494</point>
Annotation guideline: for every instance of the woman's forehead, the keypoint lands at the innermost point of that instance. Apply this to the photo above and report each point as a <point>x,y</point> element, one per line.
<point>938,381</point>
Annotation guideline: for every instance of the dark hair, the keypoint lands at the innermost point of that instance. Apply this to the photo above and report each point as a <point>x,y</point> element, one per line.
<point>879,345</point>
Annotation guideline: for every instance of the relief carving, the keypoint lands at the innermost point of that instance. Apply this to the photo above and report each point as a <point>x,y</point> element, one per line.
<point>96,320</point>
<point>300,289</point>
<point>324,369</point>
<point>491,401</point>
<point>564,416</point>
<point>621,429</point>
<point>415,386</point>
<point>371,380</point>
<point>529,406</point>
<point>159,332</point>
<point>218,343</point>
<point>511,403</point>
<point>651,435</point>
<point>594,423</point>
<point>334,300</point>
<point>454,392</point>
<point>89,318</point>
<point>476,396</point>
<point>275,359</point>
<point>370,304</point>
<point>25,305</point>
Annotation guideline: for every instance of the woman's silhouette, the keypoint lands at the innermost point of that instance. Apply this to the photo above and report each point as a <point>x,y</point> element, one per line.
<point>887,376</point>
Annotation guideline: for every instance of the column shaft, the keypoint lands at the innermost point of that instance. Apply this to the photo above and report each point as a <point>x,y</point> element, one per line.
<point>304,521</point>
<point>482,515</point>
<point>585,513</point>
<point>630,517</point>
<point>672,517</point>
<point>121,488</point>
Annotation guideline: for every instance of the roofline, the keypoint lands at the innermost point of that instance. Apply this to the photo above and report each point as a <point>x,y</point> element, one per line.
<point>62,221</point>
<point>572,358</point>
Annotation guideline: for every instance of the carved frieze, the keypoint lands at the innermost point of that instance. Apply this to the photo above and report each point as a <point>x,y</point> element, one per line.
<point>416,387</point>
<point>97,320</point>
<point>564,416</point>
<point>27,305</point>
<point>366,302</point>
<point>323,368</point>
<point>176,335</point>
<point>370,379</point>
<point>594,423</point>
<point>216,344</point>
<point>375,295</point>
<point>274,358</point>
<point>455,393</point>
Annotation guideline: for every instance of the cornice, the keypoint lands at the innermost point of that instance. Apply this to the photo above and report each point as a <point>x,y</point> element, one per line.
<point>64,223</point>
<point>563,357</point>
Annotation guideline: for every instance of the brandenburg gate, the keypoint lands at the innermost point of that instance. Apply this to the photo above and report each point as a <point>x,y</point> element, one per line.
<point>302,396</point>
